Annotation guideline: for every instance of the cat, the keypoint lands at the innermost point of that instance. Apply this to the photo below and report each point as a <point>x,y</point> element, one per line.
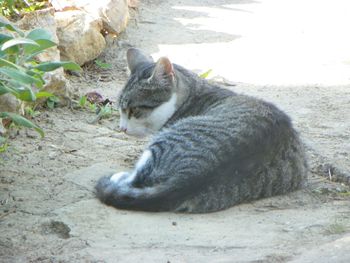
<point>211,148</point>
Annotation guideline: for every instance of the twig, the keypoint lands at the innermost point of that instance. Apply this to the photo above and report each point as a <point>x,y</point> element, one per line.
<point>7,213</point>
<point>329,174</point>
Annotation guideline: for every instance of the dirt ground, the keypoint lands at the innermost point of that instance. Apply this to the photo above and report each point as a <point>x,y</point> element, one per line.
<point>48,211</point>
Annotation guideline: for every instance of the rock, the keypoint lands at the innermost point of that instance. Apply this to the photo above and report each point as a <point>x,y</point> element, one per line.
<point>114,13</point>
<point>79,36</point>
<point>55,80</point>
<point>53,155</point>
<point>8,103</point>
<point>133,3</point>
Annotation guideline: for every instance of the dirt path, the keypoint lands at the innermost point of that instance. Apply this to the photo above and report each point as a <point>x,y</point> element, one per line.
<point>48,212</point>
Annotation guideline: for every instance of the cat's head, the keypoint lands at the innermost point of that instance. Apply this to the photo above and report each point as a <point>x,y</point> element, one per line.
<point>148,99</point>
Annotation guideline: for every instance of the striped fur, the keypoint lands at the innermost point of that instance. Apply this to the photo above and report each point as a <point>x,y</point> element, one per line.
<point>217,150</point>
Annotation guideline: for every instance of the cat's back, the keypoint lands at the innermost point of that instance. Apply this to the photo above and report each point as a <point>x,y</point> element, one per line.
<point>227,111</point>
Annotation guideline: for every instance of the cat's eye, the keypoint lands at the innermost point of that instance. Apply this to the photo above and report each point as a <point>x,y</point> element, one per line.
<point>138,111</point>
<point>134,112</point>
<point>146,107</point>
<point>130,112</point>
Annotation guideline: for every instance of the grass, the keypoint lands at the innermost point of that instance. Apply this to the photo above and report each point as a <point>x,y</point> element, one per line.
<point>337,228</point>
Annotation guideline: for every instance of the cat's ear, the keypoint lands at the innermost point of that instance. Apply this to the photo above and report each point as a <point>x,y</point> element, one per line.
<point>136,57</point>
<point>164,70</point>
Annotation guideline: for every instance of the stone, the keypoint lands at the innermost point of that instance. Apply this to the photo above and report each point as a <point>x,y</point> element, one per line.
<point>114,13</point>
<point>80,38</point>
<point>133,3</point>
<point>8,103</point>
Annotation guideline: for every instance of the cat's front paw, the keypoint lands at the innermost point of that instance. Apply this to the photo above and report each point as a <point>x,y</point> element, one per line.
<point>118,177</point>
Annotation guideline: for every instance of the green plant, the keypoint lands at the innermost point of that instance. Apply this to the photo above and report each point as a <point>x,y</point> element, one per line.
<point>31,111</point>
<point>82,101</point>
<point>105,111</point>
<point>205,74</point>
<point>52,101</point>
<point>15,8</point>
<point>336,228</point>
<point>85,103</point>
<point>3,144</point>
<point>21,74</point>
<point>102,110</point>
<point>103,65</point>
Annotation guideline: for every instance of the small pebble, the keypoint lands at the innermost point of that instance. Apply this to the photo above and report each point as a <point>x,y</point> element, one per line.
<point>52,155</point>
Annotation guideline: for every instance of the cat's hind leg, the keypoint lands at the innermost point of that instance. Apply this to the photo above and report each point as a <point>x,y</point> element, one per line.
<point>118,189</point>
<point>129,177</point>
<point>117,177</point>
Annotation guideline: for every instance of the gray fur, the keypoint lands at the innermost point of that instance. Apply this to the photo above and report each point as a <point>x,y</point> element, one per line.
<point>217,150</point>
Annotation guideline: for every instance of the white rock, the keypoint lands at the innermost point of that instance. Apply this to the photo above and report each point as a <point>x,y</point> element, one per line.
<point>79,36</point>
<point>114,13</point>
<point>133,3</point>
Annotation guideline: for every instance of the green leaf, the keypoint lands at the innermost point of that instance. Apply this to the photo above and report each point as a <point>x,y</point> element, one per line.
<point>5,89</point>
<point>19,120</point>
<point>18,41</point>
<point>31,112</point>
<point>4,38</point>
<point>6,63</point>
<point>14,50</point>
<point>52,101</point>
<point>43,94</point>
<point>41,37</point>
<point>39,33</point>
<point>21,77</point>
<point>50,104</point>
<point>82,101</point>
<point>26,94</point>
<point>102,64</point>
<point>35,74</point>
<point>10,27</point>
<point>50,66</point>
<point>32,51</point>
<point>3,144</point>
<point>205,74</point>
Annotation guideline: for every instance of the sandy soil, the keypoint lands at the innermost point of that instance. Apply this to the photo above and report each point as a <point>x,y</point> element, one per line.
<point>48,212</point>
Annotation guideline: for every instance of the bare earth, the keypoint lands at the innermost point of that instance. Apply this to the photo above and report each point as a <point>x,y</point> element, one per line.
<point>286,53</point>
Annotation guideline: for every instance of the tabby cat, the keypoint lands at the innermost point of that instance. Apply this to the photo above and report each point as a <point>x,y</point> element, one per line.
<point>213,149</point>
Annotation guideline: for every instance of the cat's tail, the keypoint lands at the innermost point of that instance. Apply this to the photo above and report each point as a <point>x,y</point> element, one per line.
<point>124,195</point>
